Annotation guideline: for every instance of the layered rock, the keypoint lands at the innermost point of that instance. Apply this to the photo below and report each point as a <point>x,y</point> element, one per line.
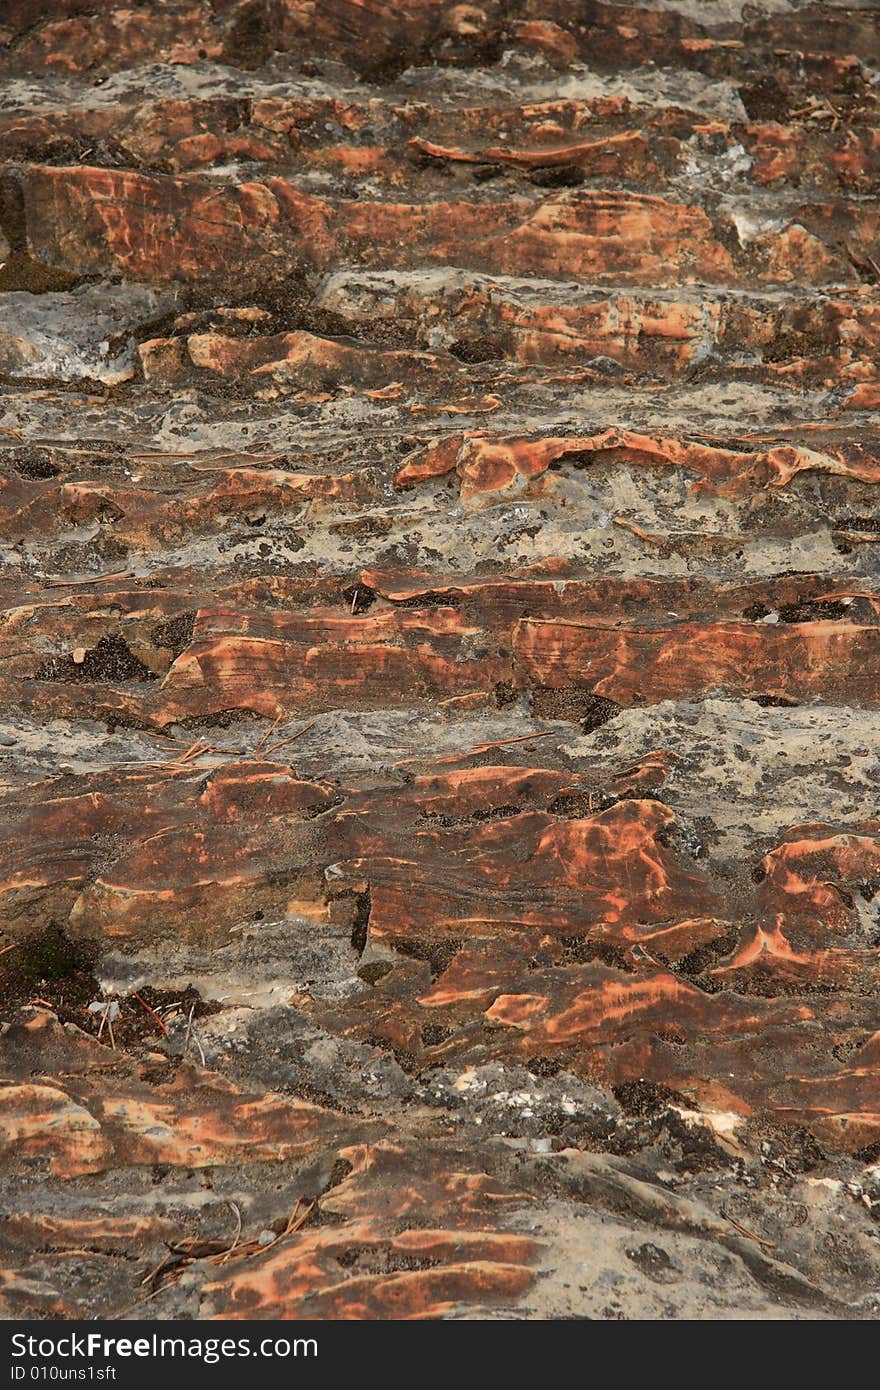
<point>439,621</point>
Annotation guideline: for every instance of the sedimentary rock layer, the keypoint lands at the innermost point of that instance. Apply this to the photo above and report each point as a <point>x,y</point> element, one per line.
<point>440,635</point>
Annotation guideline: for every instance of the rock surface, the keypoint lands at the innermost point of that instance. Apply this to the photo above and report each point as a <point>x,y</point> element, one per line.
<point>440,625</point>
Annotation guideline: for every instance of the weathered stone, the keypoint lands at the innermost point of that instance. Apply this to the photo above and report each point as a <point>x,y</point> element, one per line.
<point>439,622</point>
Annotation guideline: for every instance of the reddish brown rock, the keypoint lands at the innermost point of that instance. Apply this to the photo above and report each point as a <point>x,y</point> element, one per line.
<point>191,848</point>
<point>91,1120</point>
<point>783,155</point>
<point>648,664</point>
<point>440,660</point>
<point>810,930</point>
<point>622,1027</point>
<point>389,1259</point>
<point>145,515</point>
<point>594,137</point>
<point>601,874</point>
<point>296,360</point>
<point>488,464</point>
<point>843,1111</point>
<point>151,653</point>
<point>120,38</point>
<point>625,155</point>
<point>292,661</point>
<point>92,220</point>
<point>366,36</point>
<point>379,1257</point>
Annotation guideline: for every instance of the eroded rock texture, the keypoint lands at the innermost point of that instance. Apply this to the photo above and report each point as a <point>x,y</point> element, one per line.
<point>440,635</point>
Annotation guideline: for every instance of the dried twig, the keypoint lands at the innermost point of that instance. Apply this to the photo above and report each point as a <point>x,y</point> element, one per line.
<point>181,1256</point>
<point>859,537</point>
<point>480,748</point>
<point>501,742</point>
<point>628,525</point>
<point>155,1272</point>
<point>189,1025</point>
<point>273,748</point>
<point>106,1019</point>
<point>225,1256</point>
<point>191,752</point>
<point>163,456</point>
<point>291,1218</point>
<point>88,579</point>
<point>110,1011</point>
<point>244,454</point>
<point>186,759</point>
<point>152,1012</point>
<point>297,1222</point>
<point>803,110</point>
<point>140,1303</point>
<point>192,1034</point>
<point>750,1235</point>
<point>273,726</point>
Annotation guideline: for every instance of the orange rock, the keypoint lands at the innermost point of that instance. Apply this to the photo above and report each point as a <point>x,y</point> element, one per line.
<point>489,464</point>
<point>634,665</point>
<point>389,1203</point>
<point>556,43</point>
<point>101,1114</point>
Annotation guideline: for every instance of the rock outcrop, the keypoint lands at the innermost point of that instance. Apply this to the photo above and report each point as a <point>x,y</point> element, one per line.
<point>440,635</point>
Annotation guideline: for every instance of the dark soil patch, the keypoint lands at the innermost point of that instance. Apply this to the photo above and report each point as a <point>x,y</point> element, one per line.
<point>577,706</point>
<point>111,660</point>
<point>646,1099</point>
<point>653,1261</point>
<point>766,100</point>
<point>358,598</point>
<point>438,954</point>
<point>51,968</point>
<point>176,633</point>
<point>34,464</point>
